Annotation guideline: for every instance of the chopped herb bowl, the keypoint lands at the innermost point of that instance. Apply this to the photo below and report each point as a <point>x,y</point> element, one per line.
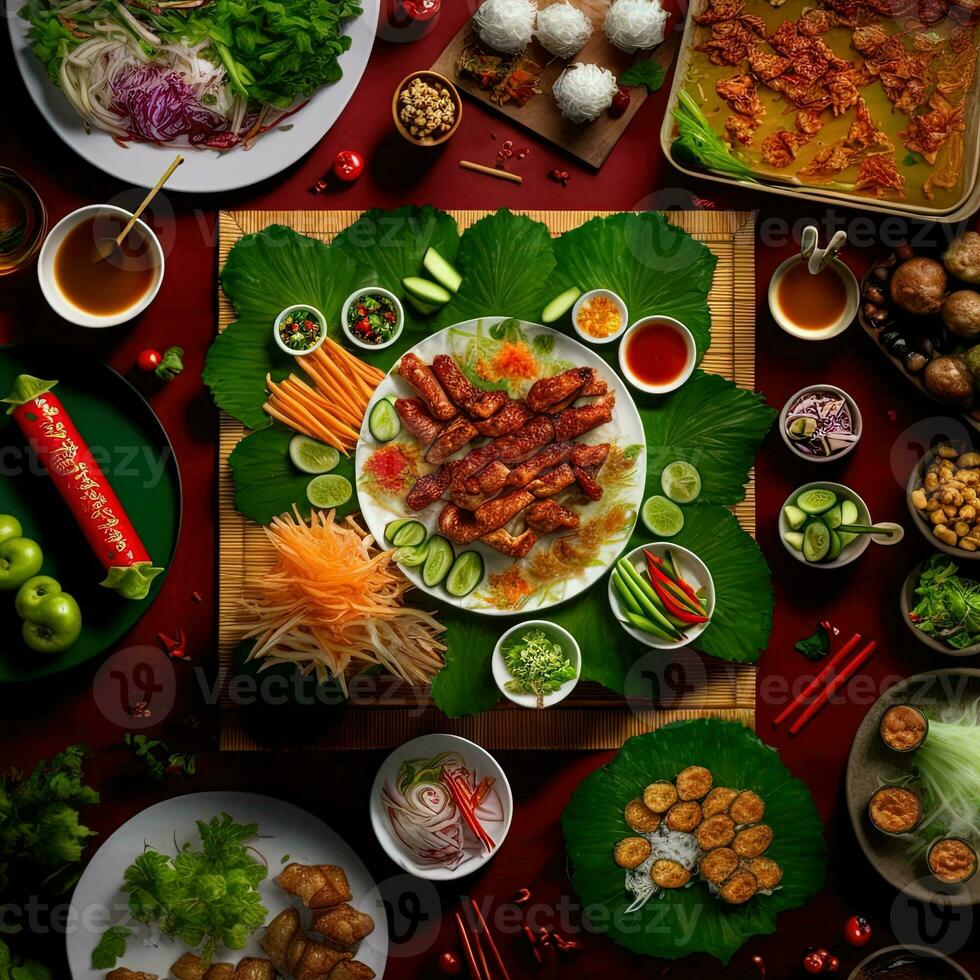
<point>553,634</point>
<point>291,323</point>
<point>908,601</point>
<point>372,312</point>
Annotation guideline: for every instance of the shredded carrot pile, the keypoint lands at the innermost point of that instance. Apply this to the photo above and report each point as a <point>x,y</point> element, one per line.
<point>334,602</point>
<point>332,411</point>
<point>514,361</point>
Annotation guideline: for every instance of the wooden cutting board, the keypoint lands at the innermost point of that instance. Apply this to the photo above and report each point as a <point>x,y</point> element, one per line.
<point>590,142</point>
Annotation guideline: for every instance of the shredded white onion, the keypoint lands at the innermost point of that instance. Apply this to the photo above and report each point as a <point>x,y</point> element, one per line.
<point>506,25</point>
<point>635,25</point>
<point>584,92</point>
<point>563,29</point>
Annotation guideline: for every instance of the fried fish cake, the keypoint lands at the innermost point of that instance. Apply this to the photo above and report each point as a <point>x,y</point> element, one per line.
<point>684,816</point>
<point>694,783</point>
<point>718,864</point>
<point>747,807</point>
<point>660,796</point>
<point>767,873</point>
<point>631,852</point>
<point>716,831</point>
<point>640,817</point>
<point>718,801</point>
<point>738,887</point>
<point>669,874</point>
<point>752,841</point>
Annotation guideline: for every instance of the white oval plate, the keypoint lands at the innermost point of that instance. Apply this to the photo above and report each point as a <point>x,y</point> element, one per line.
<point>284,829</point>
<point>625,431</point>
<point>203,171</point>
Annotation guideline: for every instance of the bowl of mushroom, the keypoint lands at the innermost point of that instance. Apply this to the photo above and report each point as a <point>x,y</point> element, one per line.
<point>944,499</point>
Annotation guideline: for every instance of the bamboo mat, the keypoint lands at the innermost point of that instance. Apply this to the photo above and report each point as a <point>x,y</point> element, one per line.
<point>592,718</point>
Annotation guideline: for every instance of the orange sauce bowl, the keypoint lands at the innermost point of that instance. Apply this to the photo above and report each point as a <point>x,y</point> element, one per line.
<point>813,307</point>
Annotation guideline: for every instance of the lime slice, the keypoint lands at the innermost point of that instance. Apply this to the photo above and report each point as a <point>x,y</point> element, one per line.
<point>681,482</point>
<point>331,490</point>
<point>310,456</point>
<point>662,517</point>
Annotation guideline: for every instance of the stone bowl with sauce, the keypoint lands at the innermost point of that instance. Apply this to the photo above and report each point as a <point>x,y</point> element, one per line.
<point>903,727</point>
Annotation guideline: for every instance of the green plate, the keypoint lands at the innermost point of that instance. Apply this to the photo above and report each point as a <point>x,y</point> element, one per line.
<point>132,447</point>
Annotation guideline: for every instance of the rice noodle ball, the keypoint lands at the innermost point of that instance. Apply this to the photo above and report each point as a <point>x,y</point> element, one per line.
<point>563,29</point>
<point>506,25</point>
<point>584,92</point>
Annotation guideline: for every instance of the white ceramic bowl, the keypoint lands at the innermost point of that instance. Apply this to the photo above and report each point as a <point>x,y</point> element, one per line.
<point>554,632</point>
<point>292,309</point>
<point>852,551</point>
<point>690,568</point>
<point>692,356</point>
<point>856,421</point>
<point>847,317</point>
<point>49,286</point>
<point>427,747</point>
<point>924,526</point>
<point>612,297</point>
<point>357,294</point>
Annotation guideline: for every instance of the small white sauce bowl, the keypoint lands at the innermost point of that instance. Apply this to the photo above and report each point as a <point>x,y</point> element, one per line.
<point>688,370</point>
<point>353,298</point>
<point>613,298</point>
<point>690,568</point>
<point>851,287</point>
<point>853,550</point>
<point>281,344</point>
<point>554,632</point>
<point>57,300</point>
<point>857,423</point>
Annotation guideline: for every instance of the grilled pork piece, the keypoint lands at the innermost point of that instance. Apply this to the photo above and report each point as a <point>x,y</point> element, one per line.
<point>497,512</point>
<point>534,434</point>
<point>509,419</point>
<point>461,526</point>
<point>522,474</point>
<point>418,420</point>
<point>551,483</point>
<point>451,440</point>
<point>419,375</point>
<point>429,488</point>
<point>477,489</point>
<point>548,515</point>
<point>479,404</point>
<point>585,477</point>
<point>583,454</point>
<point>558,388</point>
<point>516,546</point>
<point>574,422</point>
<point>473,462</point>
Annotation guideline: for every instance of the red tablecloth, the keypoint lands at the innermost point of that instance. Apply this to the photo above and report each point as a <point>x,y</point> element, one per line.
<point>40,719</point>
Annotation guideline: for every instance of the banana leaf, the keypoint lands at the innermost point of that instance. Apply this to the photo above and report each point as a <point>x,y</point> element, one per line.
<point>688,920</point>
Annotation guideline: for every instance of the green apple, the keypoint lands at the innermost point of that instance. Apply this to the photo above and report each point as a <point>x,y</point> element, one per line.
<point>32,593</point>
<point>20,559</point>
<point>10,527</point>
<point>56,625</point>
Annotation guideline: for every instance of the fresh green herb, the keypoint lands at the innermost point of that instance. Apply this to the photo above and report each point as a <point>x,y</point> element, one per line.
<point>815,646</point>
<point>649,73</point>
<point>205,898</point>
<point>158,759</point>
<point>701,143</point>
<point>41,839</point>
<point>112,945</point>
<point>911,159</point>
<point>171,364</point>
<point>537,663</point>
<point>948,609</point>
<point>14,968</point>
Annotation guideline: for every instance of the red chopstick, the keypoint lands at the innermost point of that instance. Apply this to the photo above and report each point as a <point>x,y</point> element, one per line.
<point>800,698</point>
<point>480,955</point>
<point>490,942</point>
<point>467,948</point>
<point>835,685</point>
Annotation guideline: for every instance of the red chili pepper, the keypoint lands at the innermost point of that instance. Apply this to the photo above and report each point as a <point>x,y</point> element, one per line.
<point>461,800</point>
<point>59,446</point>
<point>657,575</point>
<point>348,165</point>
<point>197,597</point>
<point>176,649</point>
<point>674,607</point>
<point>685,587</point>
<point>521,897</point>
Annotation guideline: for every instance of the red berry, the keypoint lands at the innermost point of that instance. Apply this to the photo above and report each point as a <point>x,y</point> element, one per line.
<point>620,102</point>
<point>348,165</point>
<point>450,964</point>
<point>857,930</point>
<point>833,964</point>
<point>148,359</point>
<point>815,961</point>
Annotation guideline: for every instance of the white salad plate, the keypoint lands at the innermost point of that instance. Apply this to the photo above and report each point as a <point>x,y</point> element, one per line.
<point>204,170</point>
<point>286,834</point>
<point>556,352</point>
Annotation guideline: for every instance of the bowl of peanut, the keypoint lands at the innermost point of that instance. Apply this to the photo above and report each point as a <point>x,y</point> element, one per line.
<point>426,108</point>
<point>944,499</point>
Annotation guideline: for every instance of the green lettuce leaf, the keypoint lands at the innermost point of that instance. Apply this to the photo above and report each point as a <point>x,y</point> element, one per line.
<point>465,686</point>
<point>507,263</point>
<point>653,266</point>
<point>649,73</point>
<point>689,920</point>
<point>111,947</point>
<point>713,424</point>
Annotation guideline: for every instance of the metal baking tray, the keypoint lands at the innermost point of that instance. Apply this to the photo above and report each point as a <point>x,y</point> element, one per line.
<point>964,208</point>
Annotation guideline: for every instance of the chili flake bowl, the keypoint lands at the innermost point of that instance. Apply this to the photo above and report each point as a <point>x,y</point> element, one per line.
<point>613,298</point>
<point>570,649</point>
<point>857,423</point>
<point>349,332</point>
<point>321,322</point>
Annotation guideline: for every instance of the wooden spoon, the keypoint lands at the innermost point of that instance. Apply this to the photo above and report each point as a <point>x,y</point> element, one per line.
<point>104,247</point>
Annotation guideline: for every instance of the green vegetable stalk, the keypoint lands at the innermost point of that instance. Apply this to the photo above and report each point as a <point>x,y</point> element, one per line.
<point>537,664</point>
<point>701,143</point>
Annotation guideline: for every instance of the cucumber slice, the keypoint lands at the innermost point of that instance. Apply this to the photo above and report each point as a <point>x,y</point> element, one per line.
<point>412,557</point>
<point>795,517</point>
<point>444,272</point>
<point>438,561</point>
<point>846,537</point>
<point>816,541</point>
<point>816,501</point>
<point>848,512</point>
<point>409,535</point>
<point>832,518</point>
<point>383,422</point>
<point>429,292</point>
<point>836,546</point>
<point>392,527</point>
<point>794,539</point>
<point>329,490</point>
<point>560,305</point>
<point>310,456</point>
<point>423,308</point>
<point>465,575</point>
